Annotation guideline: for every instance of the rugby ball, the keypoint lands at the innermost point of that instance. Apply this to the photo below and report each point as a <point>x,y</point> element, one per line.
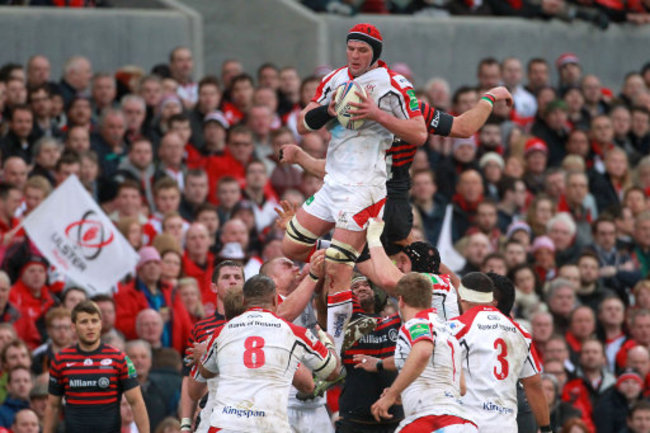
<point>345,95</point>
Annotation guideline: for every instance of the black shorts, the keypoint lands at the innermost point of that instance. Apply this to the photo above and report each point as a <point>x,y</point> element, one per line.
<point>398,218</point>
<point>346,426</point>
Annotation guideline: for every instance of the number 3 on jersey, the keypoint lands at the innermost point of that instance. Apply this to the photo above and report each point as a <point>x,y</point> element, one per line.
<point>501,357</point>
<point>254,355</point>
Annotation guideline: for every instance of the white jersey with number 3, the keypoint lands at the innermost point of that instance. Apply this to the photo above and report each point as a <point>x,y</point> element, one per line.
<point>496,353</point>
<point>437,390</point>
<point>256,355</point>
<point>357,157</point>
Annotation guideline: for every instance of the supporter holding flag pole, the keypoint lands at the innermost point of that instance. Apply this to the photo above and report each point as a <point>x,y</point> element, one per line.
<point>75,235</point>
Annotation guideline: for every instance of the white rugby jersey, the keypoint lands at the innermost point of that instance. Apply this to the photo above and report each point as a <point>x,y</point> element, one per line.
<point>496,353</point>
<point>445,298</point>
<point>256,355</point>
<point>437,390</point>
<point>358,157</point>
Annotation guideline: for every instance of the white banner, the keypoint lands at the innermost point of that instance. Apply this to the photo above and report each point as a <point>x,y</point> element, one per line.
<point>448,254</point>
<point>76,236</point>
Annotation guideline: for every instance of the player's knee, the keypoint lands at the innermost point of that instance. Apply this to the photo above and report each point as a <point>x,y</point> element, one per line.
<point>297,240</point>
<point>341,253</point>
<point>299,234</point>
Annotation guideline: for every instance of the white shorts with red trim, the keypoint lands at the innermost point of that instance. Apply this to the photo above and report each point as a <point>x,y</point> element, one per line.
<point>310,420</point>
<point>437,424</point>
<point>348,206</point>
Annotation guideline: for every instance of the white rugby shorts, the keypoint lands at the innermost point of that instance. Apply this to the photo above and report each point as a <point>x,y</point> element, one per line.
<point>348,206</point>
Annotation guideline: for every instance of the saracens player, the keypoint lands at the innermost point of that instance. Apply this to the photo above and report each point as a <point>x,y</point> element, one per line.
<point>226,276</point>
<point>255,356</point>
<point>92,377</point>
<point>496,353</point>
<point>427,356</point>
<point>355,185</point>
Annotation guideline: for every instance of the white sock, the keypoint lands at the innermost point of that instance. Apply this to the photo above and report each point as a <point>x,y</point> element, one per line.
<point>339,311</point>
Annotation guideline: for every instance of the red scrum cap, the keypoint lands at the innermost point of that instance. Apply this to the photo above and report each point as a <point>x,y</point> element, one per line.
<point>370,35</point>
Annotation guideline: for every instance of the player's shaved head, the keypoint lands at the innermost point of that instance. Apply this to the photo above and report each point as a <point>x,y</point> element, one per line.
<point>259,291</point>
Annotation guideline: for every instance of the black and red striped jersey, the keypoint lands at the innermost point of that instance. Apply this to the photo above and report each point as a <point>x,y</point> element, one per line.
<point>400,155</point>
<point>362,388</point>
<point>202,331</point>
<point>92,384</point>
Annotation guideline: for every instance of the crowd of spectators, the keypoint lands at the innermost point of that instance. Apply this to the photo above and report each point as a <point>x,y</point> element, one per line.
<point>598,12</point>
<point>552,193</point>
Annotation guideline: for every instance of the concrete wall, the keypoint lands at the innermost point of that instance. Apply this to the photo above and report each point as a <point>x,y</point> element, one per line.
<point>284,32</point>
<point>256,31</point>
<point>110,38</point>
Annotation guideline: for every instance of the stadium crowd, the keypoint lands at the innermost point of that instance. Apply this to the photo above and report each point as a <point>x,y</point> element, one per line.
<point>552,192</point>
<point>598,12</point>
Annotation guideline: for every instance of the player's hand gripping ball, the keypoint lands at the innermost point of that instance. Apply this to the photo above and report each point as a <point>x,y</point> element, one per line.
<point>345,95</point>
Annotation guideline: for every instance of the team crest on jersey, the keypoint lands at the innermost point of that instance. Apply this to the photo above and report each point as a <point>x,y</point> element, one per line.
<point>130,367</point>
<point>106,361</point>
<point>455,326</point>
<point>370,87</point>
<point>413,100</point>
<point>88,361</point>
<point>418,330</point>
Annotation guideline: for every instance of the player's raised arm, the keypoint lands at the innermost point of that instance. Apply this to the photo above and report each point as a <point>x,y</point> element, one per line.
<point>385,273</point>
<point>468,123</point>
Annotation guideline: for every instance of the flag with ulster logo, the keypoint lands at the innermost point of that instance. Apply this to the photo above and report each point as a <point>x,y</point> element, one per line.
<point>75,235</point>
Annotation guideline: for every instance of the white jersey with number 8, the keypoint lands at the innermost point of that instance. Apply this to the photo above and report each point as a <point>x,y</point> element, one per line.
<point>496,353</point>
<point>256,355</point>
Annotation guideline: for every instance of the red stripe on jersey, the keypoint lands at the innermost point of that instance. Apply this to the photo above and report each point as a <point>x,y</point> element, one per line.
<point>314,344</point>
<point>339,297</point>
<point>402,162</point>
<point>434,423</point>
<point>385,324</point>
<point>91,402</point>
<point>468,317</point>
<point>326,79</point>
<point>203,328</point>
<point>370,212</point>
<point>404,155</point>
<point>382,351</point>
<point>395,149</point>
<point>536,357</point>
<point>522,330</point>
<point>407,98</point>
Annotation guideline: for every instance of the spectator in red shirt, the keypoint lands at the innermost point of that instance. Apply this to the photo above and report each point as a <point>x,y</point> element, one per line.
<point>30,294</point>
<point>23,325</point>
<point>148,291</point>
<point>592,381</point>
<point>198,263</point>
<point>241,99</point>
<point>238,153</point>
